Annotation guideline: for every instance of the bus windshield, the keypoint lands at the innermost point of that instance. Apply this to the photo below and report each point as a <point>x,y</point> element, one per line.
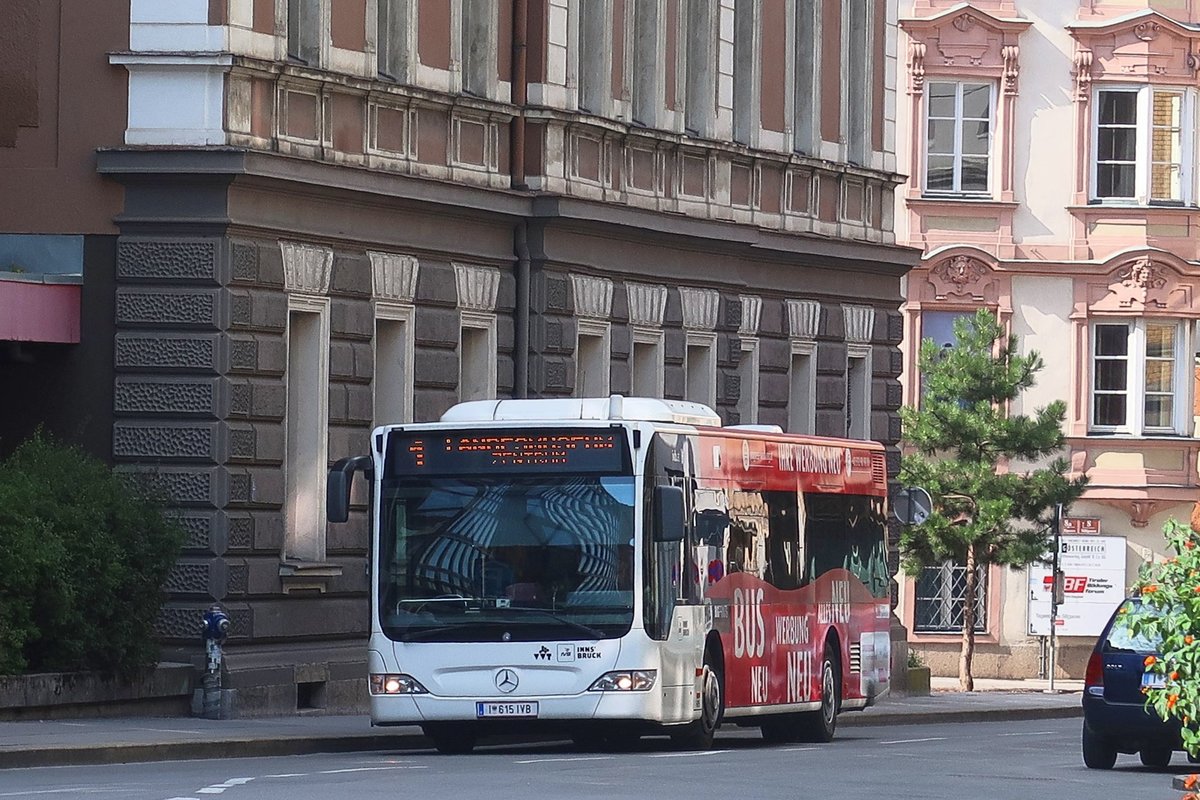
<point>506,557</point>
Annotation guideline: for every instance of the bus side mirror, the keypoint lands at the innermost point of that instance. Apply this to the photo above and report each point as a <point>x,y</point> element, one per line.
<point>668,514</point>
<point>337,486</point>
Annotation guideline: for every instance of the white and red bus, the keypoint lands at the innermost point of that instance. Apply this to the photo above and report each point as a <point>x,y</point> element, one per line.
<point>620,566</point>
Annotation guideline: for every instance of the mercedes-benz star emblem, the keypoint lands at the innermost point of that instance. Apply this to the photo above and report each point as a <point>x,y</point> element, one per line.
<point>506,680</point>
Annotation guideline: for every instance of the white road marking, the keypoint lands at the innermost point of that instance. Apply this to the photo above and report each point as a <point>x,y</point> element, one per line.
<point>797,749</point>
<point>575,758</point>
<point>1033,733</point>
<point>288,775</point>
<point>219,788</point>
<point>366,769</point>
<point>912,741</point>
<point>687,755</point>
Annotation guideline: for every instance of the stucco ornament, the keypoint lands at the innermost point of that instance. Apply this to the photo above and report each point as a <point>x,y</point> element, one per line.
<point>1083,75</point>
<point>1011,54</point>
<point>1139,284</point>
<point>958,276</point>
<point>916,67</point>
<point>1147,31</point>
<point>965,39</point>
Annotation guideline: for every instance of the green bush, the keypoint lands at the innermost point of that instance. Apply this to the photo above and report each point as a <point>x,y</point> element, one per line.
<point>84,552</point>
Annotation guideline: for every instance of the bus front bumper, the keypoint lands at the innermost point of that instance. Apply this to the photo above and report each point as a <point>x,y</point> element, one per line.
<point>413,709</point>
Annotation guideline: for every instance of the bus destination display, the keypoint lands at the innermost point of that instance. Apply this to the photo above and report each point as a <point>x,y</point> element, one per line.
<point>473,452</point>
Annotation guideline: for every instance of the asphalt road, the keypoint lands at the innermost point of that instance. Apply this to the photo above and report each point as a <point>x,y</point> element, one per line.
<point>996,760</point>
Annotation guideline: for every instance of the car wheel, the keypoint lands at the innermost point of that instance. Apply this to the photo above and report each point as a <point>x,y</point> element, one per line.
<point>450,739</point>
<point>1158,757</point>
<point>1097,752</point>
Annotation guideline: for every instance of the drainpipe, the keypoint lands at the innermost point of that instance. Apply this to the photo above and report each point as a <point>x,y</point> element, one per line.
<point>521,321</point>
<point>520,97</point>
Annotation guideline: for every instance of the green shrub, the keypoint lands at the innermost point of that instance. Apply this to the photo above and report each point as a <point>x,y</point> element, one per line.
<point>84,552</point>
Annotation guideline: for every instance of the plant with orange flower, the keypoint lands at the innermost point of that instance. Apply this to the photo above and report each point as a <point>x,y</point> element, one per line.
<point>1170,614</point>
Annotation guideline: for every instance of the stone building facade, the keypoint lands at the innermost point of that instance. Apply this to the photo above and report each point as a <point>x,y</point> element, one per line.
<point>321,215</point>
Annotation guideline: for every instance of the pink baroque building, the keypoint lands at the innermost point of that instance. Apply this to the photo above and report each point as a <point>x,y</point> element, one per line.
<point>1052,151</point>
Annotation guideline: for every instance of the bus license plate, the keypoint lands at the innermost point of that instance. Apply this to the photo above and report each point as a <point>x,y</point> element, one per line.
<point>506,710</point>
<point>1153,681</point>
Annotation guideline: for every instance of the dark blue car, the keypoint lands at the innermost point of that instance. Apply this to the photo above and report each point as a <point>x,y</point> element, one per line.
<point>1115,718</point>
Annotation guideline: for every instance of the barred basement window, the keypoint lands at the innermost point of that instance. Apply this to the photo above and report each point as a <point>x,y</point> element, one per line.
<point>939,607</point>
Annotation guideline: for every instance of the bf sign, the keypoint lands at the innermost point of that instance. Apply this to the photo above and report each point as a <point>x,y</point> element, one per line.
<point>911,505</point>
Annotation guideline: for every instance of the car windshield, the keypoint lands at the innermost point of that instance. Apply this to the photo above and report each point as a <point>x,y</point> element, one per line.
<point>490,558</point>
<point>1121,639</point>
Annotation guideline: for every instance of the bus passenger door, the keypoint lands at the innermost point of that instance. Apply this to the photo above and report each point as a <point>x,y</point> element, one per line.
<point>677,591</point>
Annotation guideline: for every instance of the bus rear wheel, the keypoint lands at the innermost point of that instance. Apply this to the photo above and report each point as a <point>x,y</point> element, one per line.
<point>698,735</point>
<point>450,739</point>
<point>819,726</point>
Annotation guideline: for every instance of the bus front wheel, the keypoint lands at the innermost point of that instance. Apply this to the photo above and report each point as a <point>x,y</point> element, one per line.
<point>698,735</point>
<point>450,739</point>
<point>819,726</point>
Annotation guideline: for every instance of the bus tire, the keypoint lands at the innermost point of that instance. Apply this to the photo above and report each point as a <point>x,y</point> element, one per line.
<point>450,739</point>
<point>819,726</point>
<point>698,735</point>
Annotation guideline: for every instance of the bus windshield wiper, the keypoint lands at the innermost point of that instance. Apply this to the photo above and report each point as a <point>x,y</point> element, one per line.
<point>438,630</point>
<point>570,623</point>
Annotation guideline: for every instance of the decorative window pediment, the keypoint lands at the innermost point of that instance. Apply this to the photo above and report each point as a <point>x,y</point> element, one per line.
<point>963,41</point>
<point>1145,46</point>
<point>1144,283</point>
<point>962,277</point>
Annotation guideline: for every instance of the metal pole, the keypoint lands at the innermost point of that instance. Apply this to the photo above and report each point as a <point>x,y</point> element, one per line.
<point>1058,512</point>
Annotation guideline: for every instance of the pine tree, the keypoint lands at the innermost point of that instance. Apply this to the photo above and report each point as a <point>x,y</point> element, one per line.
<point>962,442</point>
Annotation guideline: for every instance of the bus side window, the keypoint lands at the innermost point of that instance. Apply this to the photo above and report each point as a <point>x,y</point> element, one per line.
<point>785,549</point>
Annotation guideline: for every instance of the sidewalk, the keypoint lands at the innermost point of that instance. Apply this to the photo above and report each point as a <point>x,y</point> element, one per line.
<point>108,741</point>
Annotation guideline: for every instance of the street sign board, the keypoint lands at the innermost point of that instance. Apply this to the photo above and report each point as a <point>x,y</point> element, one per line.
<point>911,505</point>
<point>1080,525</point>
<point>1093,584</point>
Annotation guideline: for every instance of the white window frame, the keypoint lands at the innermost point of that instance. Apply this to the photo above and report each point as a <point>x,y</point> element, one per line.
<point>706,342</point>
<point>956,190</point>
<point>1135,378</point>
<point>468,377</point>
<point>306,435</point>
<point>748,369</point>
<point>393,394</point>
<point>1143,172</point>
<point>593,329</point>
<point>802,387</point>
<point>858,419</point>
<point>654,339</point>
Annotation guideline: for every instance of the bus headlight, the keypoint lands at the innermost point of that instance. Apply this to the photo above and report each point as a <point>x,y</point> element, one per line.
<point>637,680</point>
<point>396,684</point>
